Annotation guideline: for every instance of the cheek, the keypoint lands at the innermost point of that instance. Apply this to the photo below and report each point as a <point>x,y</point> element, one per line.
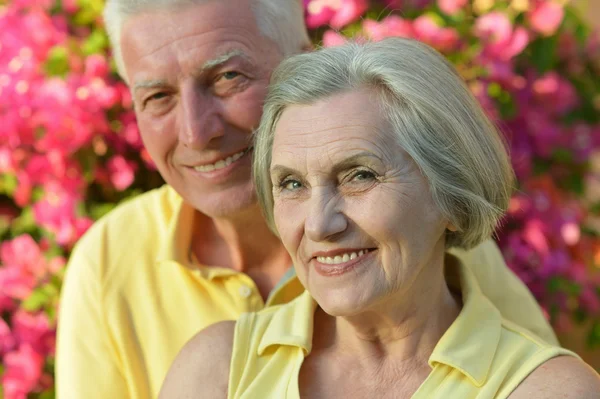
<point>289,222</point>
<point>158,136</point>
<point>245,109</point>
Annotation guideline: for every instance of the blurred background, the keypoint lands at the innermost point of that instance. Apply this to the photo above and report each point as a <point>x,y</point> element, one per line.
<point>70,149</point>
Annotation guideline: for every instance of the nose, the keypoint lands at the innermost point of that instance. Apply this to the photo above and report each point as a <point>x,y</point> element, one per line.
<point>199,119</point>
<point>324,221</point>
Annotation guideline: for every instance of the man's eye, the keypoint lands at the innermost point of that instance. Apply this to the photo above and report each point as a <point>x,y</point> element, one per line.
<point>155,97</point>
<point>230,75</point>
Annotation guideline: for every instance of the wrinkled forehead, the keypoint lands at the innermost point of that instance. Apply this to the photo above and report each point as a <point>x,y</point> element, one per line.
<point>199,31</point>
<point>332,128</point>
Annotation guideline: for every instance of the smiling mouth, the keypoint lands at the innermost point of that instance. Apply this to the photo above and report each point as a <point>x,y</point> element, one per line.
<point>342,258</point>
<point>223,163</point>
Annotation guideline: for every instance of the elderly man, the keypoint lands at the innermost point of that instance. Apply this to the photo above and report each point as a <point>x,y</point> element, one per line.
<point>163,266</point>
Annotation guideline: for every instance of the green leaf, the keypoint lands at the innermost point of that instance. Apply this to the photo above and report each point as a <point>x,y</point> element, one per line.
<point>37,300</point>
<point>8,184</point>
<point>593,338</point>
<point>554,284</point>
<point>57,63</point>
<point>562,155</point>
<point>543,53</point>
<point>24,223</point>
<point>99,210</point>
<point>97,42</point>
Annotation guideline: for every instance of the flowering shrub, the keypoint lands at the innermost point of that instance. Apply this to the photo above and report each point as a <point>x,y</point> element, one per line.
<point>70,149</point>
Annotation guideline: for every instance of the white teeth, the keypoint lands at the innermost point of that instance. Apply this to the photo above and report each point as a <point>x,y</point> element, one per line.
<point>336,260</point>
<point>220,164</point>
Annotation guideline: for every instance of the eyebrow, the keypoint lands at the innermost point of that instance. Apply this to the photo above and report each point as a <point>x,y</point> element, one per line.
<point>337,168</point>
<point>210,64</point>
<point>222,59</point>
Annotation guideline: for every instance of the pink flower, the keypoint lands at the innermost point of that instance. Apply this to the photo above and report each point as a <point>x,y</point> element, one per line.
<point>428,31</point>
<point>56,212</point>
<point>555,93</point>
<point>451,7</point>
<point>23,266</point>
<point>388,27</point>
<point>496,31</point>
<point>7,341</point>
<point>23,252</point>
<point>96,66</point>
<point>336,13</point>
<point>546,16</point>
<point>122,172</point>
<point>34,330</point>
<point>590,299</point>
<point>23,371</point>
<point>332,38</point>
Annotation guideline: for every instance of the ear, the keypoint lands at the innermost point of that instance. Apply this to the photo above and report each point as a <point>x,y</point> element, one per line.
<point>308,48</point>
<point>451,227</point>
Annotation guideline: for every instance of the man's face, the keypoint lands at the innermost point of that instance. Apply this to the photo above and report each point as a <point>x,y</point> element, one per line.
<point>199,76</point>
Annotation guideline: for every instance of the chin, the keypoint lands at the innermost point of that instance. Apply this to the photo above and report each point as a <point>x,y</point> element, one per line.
<point>226,203</point>
<point>339,304</point>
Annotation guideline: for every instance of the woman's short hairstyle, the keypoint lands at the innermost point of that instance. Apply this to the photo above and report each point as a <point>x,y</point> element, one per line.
<point>279,20</point>
<point>437,121</point>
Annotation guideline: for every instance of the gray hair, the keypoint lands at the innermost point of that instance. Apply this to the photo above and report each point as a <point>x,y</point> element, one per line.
<point>279,20</point>
<point>437,121</point>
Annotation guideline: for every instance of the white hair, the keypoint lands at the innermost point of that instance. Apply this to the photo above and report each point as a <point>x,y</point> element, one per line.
<point>279,20</point>
<point>435,117</point>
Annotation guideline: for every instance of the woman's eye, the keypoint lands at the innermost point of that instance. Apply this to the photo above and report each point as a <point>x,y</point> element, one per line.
<point>362,175</point>
<point>291,185</point>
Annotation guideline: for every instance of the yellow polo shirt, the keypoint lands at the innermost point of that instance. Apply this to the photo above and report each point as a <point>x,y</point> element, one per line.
<point>480,356</point>
<point>131,298</point>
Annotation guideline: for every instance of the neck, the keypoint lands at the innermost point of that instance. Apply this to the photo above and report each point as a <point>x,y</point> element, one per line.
<point>402,329</point>
<point>241,242</point>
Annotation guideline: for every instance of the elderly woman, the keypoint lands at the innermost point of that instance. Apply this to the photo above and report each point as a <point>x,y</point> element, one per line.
<point>370,162</point>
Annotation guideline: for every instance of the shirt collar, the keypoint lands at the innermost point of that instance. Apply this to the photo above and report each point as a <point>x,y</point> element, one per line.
<point>292,325</point>
<point>175,244</point>
<point>469,345</point>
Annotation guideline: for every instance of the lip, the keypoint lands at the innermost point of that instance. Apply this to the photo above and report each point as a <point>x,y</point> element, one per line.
<point>221,158</point>
<point>340,251</point>
<point>327,270</point>
<point>220,175</point>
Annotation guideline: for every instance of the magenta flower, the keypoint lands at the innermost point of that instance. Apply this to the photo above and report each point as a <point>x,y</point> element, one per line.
<point>451,7</point>
<point>500,39</point>
<point>7,341</point>
<point>34,330</point>
<point>336,13</point>
<point>23,371</point>
<point>122,172</point>
<point>23,266</point>
<point>388,27</point>
<point>428,31</point>
<point>546,16</point>
<point>555,93</point>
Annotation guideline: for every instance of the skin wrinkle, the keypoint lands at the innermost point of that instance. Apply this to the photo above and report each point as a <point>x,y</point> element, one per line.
<point>214,63</point>
<point>197,120</point>
<point>327,204</point>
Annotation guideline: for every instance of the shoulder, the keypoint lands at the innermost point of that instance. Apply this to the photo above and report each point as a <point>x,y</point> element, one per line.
<point>120,232</point>
<point>202,365</point>
<point>564,377</point>
<point>154,206</point>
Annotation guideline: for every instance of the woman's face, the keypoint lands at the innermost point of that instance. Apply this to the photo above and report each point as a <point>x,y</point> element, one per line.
<point>351,206</point>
